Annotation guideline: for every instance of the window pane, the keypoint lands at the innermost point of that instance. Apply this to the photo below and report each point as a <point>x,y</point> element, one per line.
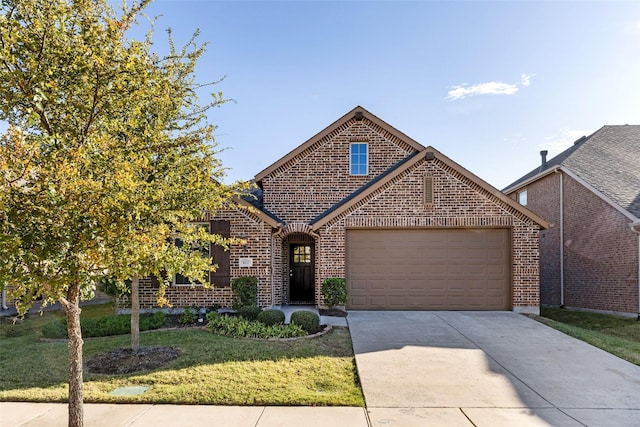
<point>359,159</point>
<point>522,198</point>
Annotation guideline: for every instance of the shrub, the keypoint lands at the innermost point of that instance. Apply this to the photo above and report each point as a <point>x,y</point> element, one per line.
<point>188,317</point>
<point>271,317</point>
<point>104,326</point>
<point>55,329</point>
<point>245,291</point>
<point>239,327</point>
<point>334,291</point>
<point>212,316</point>
<point>249,312</point>
<point>307,320</point>
<point>11,329</point>
<point>156,321</point>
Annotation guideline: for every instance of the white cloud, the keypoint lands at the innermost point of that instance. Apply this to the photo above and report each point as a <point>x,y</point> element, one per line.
<point>562,140</point>
<point>525,79</point>
<point>488,88</point>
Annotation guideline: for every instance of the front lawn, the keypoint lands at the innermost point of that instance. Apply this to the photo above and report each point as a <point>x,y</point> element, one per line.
<point>614,334</point>
<point>212,369</point>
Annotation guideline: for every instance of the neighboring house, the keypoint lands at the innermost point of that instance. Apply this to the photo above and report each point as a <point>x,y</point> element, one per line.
<point>407,228</point>
<point>591,195</point>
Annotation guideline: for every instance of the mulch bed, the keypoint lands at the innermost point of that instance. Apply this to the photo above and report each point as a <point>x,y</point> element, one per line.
<point>335,312</point>
<point>127,361</point>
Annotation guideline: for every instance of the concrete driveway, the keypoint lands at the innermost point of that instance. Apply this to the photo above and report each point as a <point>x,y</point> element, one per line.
<point>487,369</point>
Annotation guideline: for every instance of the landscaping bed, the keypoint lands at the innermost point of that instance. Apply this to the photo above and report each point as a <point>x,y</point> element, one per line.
<point>209,368</point>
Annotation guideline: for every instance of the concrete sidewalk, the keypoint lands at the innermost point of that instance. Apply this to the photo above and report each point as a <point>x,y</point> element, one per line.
<point>13,414</point>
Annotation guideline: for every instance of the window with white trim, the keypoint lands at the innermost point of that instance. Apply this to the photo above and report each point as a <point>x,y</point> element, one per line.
<point>522,197</point>
<point>359,158</point>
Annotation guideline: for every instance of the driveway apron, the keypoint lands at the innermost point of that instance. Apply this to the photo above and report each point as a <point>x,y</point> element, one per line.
<point>487,369</point>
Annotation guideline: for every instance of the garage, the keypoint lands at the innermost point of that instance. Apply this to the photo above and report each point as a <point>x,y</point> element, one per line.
<point>429,269</point>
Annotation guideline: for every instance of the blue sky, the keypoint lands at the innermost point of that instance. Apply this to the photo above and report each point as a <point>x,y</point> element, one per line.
<point>488,84</point>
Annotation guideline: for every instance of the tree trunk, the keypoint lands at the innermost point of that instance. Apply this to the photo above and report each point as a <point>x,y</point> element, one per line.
<point>72,309</point>
<point>135,314</point>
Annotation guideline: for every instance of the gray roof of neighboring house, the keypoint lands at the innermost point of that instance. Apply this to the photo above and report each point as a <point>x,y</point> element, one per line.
<point>608,160</point>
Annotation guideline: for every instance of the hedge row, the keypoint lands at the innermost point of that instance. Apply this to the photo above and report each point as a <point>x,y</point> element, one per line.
<point>104,326</point>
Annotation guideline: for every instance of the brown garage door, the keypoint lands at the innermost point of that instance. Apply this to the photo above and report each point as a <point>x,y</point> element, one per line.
<point>441,269</point>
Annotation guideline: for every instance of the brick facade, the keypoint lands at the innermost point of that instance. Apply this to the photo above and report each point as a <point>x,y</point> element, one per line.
<point>458,203</point>
<point>544,199</point>
<point>258,236</point>
<point>319,177</point>
<point>316,176</point>
<point>600,251</point>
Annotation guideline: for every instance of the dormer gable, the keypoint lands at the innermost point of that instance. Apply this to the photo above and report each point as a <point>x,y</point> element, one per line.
<point>358,114</point>
<point>346,155</point>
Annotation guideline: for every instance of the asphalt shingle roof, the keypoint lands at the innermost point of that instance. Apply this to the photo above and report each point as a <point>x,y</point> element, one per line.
<point>608,160</point>
<point>256,199</point>
<point>364,188</point>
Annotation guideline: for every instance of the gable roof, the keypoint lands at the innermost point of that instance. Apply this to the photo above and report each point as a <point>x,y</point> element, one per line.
<point>390,173</point>
<point>253,203</point>
<point>608,161</point>
<point>358,113</point>
<point>397,169</point>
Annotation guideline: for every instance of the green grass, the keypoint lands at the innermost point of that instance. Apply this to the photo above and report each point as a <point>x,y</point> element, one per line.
<point>617,335</point>
<point>212,369</point>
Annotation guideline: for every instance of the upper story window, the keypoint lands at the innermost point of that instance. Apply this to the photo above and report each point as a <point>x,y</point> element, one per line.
<point>359,158</point>
<point>522,197</point>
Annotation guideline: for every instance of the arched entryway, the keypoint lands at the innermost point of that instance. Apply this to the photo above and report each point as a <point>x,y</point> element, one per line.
<point>300,257</point>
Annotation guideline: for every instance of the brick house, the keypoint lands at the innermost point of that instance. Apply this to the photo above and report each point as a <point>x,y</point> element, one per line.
<point>591,194</point>
<point>406,226</point>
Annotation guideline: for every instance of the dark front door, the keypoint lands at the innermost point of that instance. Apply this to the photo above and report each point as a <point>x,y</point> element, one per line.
<point>301,290</point>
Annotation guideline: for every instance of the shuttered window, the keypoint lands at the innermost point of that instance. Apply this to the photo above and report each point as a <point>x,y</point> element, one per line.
<point>221,257</point>
<point>181,280</point>
<point>222,276</point>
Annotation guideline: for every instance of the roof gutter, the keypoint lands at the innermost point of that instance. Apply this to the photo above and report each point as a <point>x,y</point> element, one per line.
<point>530,180</point>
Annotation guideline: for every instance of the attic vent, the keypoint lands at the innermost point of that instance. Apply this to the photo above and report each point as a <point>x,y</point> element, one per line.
<point>359,139</point>
<point>359,115</point>
<point>428,190</point>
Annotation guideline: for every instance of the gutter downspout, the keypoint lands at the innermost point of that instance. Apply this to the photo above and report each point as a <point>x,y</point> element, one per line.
<point>561,239</point>
<point>4,300</point>
<point>635,227</point>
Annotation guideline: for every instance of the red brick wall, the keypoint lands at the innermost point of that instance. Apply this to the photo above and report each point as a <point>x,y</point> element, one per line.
<point>600,253</point>
<point>258,248</point>
<point>600,250</point>
<point>318,178</point>
<point>543,198</point>
<point>458,202</point>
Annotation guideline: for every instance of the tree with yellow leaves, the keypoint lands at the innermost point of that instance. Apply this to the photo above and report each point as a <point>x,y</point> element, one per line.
<point>107,158</point>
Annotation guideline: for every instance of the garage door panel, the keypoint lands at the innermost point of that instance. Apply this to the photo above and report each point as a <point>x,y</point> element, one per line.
<point>444,269</point>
